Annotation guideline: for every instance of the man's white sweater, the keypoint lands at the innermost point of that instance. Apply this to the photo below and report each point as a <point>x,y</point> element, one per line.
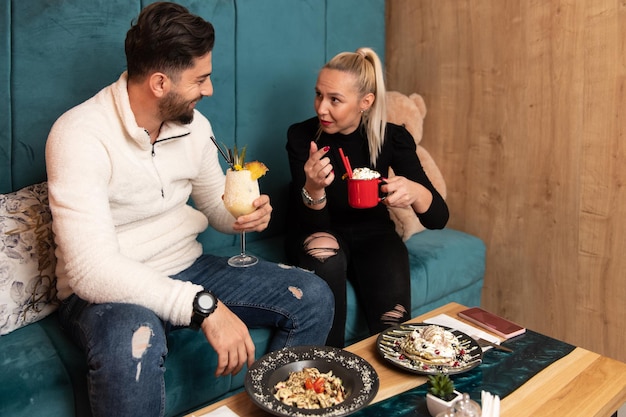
<point>120,209</point>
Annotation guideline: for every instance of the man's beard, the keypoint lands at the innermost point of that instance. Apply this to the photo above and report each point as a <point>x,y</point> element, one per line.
<point>174,108</point>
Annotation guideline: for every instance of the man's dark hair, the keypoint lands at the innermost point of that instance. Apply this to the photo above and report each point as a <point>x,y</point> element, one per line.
<point>166,38</point>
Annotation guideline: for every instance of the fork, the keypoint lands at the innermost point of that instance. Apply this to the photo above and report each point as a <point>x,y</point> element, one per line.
<point>483,343</point>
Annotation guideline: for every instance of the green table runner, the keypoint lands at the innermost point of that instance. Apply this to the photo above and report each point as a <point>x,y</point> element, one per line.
<point>500,373</point>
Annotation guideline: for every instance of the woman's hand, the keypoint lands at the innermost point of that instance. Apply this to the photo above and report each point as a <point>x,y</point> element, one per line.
<point>318,170</point>
<point>402,192</point>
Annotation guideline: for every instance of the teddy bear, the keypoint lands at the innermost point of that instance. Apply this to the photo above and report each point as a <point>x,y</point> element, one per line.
<point>410,112</point>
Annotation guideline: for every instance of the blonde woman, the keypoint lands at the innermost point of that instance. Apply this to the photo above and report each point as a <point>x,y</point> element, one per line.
<point>328,236</point>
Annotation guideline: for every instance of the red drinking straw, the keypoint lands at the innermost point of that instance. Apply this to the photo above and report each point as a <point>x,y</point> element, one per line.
<point>346,163</point>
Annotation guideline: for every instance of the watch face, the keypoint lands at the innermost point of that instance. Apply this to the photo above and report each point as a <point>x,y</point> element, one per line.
<point>205,302</point>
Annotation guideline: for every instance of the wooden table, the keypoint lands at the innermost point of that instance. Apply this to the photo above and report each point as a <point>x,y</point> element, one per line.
<point>583,383</point>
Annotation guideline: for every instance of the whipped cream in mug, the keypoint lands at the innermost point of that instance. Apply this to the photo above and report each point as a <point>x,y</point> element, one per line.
<point>364,174</point>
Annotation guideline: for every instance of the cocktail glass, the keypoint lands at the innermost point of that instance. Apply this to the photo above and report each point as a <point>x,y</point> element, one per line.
<point>239,193</point>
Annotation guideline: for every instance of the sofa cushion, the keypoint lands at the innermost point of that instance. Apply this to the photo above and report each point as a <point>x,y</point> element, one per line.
<point>443,262</point>
<point>34,379</point>
<point>27,261</point>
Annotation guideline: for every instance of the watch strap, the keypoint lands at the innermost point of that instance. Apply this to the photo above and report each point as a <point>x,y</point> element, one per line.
<point>196,321</point>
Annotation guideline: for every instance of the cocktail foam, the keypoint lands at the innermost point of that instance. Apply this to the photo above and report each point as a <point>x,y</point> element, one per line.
<point>239,192</point>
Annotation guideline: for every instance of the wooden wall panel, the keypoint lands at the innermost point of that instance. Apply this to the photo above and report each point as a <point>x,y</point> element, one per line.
<point>524,121</point>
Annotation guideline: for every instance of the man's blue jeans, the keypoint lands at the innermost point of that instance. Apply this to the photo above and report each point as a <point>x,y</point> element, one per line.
<point>126,344</point>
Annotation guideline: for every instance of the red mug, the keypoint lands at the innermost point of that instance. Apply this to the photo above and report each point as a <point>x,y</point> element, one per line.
<point>364,193</point>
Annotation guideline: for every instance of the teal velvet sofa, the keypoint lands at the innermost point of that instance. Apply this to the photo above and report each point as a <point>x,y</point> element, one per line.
<point>55,54</point>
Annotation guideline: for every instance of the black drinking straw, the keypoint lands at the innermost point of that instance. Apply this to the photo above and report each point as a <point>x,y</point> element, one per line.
<point>228,160</point>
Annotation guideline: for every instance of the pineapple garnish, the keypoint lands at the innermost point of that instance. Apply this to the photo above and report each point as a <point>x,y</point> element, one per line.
<point>257,169</point>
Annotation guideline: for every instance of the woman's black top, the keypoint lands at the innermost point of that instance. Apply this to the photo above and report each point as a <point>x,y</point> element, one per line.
<point>398,152</point>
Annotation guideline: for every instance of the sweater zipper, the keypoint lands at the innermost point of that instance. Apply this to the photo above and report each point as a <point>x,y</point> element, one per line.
<point>157,170</point>
<point>153,153</point>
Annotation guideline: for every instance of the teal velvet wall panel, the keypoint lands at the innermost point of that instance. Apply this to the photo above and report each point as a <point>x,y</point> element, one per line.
<point>349,29</point>
<point>5,96</point>
<point>220,108</point>
<point>277,63</point>
<point>62,52</point>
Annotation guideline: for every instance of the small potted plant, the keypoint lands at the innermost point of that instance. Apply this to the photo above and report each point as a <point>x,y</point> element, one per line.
<point>441,394</point>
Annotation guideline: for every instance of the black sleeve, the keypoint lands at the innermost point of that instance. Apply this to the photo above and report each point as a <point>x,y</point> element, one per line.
<point>299,137</point>
<point>405,162</point>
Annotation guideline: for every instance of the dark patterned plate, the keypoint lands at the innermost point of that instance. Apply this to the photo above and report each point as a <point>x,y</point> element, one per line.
<point>359,378</point>
<point>469,353</point>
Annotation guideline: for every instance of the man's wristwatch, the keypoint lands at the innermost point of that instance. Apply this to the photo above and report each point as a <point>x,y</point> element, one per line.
<point>203,305</point>
<point>309,200</point>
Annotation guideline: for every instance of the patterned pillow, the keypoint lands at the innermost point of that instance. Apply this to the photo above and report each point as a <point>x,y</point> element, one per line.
<point>27,261</point>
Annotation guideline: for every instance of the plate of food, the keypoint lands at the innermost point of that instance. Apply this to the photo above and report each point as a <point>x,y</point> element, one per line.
<point>429,349</point>
<point>318,381</point>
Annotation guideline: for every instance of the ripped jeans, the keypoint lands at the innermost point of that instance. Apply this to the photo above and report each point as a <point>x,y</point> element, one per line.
<point>126,344</point>
<point>373,258</point>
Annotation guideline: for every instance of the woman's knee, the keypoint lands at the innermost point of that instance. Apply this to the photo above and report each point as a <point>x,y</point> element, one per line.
<point>398,314</point>
<point>321,246</point>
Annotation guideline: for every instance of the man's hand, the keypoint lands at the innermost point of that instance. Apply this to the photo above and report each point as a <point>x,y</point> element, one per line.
<point>231,340</point>
<point>258,220</point>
